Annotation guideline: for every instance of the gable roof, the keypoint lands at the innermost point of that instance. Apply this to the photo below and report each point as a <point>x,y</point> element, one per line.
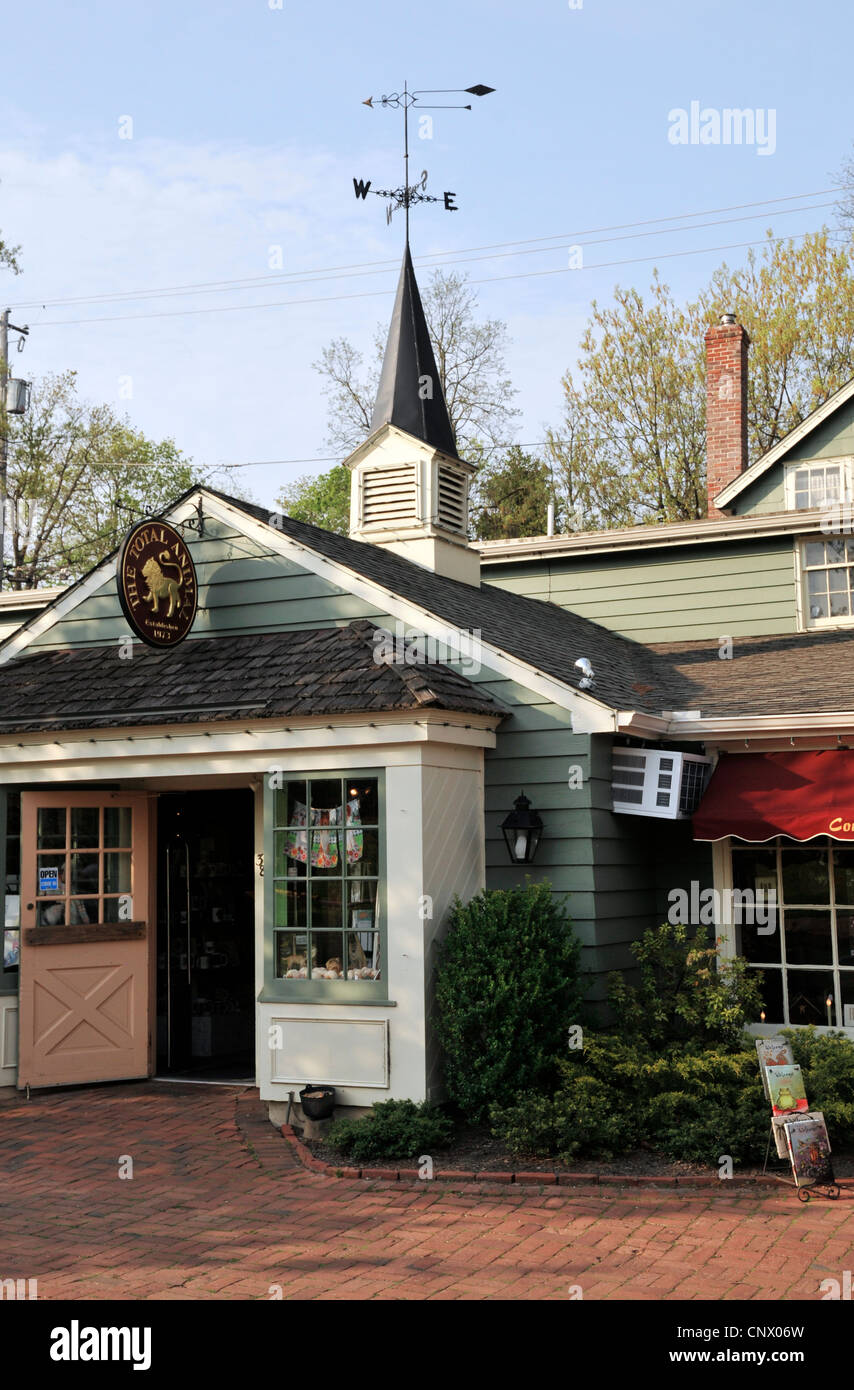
<point>323,671</point>
<point>537,633</point>
<point>541,637</point>
<point>778,451</point>
<point>408,360</point>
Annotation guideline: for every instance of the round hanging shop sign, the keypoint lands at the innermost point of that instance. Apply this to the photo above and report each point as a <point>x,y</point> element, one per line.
<point>157,583</point>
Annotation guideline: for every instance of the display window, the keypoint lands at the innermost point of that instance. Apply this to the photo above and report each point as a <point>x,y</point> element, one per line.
<point>805,948</point>
<point>327,836</point>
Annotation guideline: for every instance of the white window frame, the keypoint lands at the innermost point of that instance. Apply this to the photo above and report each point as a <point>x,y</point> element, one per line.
<point>726,931</point>
<point>844,461</point>
<point>805,622</point>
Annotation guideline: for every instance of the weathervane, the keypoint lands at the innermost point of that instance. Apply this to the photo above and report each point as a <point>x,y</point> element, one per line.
<point>410,194</point>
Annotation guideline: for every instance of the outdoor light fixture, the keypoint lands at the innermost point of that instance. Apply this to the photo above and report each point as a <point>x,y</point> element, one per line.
<point>522,830</point>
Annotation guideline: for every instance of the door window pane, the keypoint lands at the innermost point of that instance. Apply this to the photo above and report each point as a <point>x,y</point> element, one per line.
<point>808,991</point>
<point>51,827</point>
<point>84,873</point>
<point>117,872</point>
<point>808,939</point>
<point>84,827</point>
<point>51,914</point>
<point>83,910</point>
<point>754,939</point>
<point>118,909</point>
<point>805,876</point>
<point>843,873</point>
<point>845,937</point>
<point>118,827</point>
<point>50,873</point>
<point>771,994</point>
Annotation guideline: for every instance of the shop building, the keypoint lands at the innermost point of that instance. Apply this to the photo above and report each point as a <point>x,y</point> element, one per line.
<point>231,848</point>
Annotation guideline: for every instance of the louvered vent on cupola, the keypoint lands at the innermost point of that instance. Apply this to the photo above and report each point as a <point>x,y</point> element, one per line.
<point>451,500</point>
<point>388,495</point>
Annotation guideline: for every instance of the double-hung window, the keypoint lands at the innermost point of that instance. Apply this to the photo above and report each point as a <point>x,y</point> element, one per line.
<point>326,887</point>
<point>827,569</point>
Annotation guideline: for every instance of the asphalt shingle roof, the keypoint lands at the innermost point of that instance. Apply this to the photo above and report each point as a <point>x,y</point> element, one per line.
<point>796,673</point>
<point>539,633</point>
<point>318,671</point>
<point>787,674</point>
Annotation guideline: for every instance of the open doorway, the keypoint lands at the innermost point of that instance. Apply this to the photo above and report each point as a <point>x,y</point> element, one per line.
<point>205,936</point>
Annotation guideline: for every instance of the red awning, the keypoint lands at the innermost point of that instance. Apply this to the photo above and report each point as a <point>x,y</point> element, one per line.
<point>756,796</point>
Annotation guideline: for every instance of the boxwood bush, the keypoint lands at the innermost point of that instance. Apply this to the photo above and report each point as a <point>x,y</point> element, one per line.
<point>393,1129</point>
<point>507,991</point>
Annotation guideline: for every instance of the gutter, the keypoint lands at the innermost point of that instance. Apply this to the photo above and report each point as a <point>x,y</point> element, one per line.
<point>653,537</point>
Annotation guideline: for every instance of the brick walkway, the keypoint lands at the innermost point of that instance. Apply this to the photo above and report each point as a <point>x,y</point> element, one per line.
<point>218,1208</point>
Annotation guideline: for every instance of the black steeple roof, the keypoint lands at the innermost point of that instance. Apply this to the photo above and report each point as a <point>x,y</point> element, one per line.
<point>409,357</point>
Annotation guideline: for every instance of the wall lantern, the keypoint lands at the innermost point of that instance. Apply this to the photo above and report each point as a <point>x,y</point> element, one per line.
<point>522,830</point>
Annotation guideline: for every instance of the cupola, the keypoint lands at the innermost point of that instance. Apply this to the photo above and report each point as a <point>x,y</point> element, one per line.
<point>409,489</point>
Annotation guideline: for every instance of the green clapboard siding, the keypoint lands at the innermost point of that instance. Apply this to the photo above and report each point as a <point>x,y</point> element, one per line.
<point>681,594</point>
<point>603,868</point>
<point>832,439</point>
<point>243,587</point>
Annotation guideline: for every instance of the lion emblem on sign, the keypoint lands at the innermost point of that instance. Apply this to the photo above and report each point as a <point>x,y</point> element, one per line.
<point>160,585</point>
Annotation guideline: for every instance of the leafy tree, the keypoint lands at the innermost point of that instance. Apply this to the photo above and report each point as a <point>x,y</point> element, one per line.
<point>634,441</point>
<point>9,256</point>
<point>78,477</point>
<point>469,358</point>
<point>686,990</point>
<point>632,444</point>
<point>322,501</point>
<point>510,496</point>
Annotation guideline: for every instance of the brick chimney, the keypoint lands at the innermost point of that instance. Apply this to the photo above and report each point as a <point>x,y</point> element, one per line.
<point>726,405</point>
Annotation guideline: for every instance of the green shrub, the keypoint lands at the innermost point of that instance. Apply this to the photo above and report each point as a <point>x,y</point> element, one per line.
<point>586,1117</point>
<point>827,1060</point>
<point>689,1102</point>
<point>507,991</point>
<point>394,1129</point>
<point>686,991</point>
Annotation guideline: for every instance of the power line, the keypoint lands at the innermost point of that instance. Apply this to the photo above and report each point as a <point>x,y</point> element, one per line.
<point>377,267</point>
<point>374,294</point>
<point>459,259</point>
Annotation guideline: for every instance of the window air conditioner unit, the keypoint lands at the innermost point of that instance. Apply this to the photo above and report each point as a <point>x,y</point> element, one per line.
<point>655,782</point>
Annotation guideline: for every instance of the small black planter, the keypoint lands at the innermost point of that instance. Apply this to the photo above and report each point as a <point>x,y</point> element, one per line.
<point>318,1102</point>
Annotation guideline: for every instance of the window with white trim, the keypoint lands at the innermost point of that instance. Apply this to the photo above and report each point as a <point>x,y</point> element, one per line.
<point>827,569</point>
<point>326,880</point>
<point>804,948</point>
<point>813,485</point>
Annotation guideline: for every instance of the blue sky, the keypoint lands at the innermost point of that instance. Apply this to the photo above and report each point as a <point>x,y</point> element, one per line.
<point>248,128</point>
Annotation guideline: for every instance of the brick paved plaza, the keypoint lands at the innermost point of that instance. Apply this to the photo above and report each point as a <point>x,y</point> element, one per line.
<point>219,1208</point>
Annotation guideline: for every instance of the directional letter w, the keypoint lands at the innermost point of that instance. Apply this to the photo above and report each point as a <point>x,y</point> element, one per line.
<point>361,187</point>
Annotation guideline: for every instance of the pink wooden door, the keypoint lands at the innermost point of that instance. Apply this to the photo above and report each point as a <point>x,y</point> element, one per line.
<point>84,941</point>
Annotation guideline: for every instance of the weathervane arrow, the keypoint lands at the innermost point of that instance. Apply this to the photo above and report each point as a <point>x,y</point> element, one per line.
<point>409,194</point>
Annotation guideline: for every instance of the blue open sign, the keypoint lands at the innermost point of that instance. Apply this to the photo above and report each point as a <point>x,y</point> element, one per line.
<point>49,880</point>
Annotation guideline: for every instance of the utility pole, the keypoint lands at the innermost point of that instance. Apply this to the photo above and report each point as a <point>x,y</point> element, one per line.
<point>5,374</point>
<point>4,432</point>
